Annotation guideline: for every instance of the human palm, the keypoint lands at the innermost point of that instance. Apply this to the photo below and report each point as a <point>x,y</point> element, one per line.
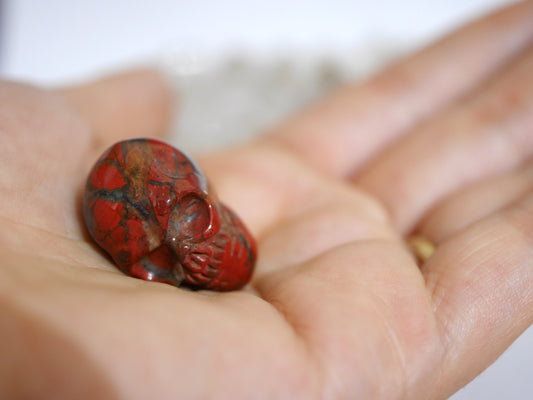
<point>338,307</point>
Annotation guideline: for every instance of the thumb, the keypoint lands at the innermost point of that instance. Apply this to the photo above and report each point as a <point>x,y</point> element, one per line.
<point>130,104</point>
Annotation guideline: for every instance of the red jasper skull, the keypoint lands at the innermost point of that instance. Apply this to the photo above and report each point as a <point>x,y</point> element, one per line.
<point>151,209</point>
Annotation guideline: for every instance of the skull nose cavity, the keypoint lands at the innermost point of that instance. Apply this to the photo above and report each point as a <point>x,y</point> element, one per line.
<point>162,265</point>
<point>178,273</point>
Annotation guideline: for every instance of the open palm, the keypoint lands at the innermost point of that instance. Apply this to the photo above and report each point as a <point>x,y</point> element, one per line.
<point>338,307</point>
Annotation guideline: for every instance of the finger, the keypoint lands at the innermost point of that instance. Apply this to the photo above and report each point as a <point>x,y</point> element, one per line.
<point>132,104</point>
<point>333,215</point>
<point>474,203</point>
<point>344,131</point>
<point>260,183</point>
<point>481,287</point>
<point>487,133</point>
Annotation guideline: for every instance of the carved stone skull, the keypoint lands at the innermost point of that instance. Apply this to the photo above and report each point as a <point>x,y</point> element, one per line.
<point>151,209</point>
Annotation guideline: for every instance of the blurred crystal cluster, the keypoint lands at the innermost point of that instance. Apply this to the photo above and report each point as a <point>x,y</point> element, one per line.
<point>226,98</point>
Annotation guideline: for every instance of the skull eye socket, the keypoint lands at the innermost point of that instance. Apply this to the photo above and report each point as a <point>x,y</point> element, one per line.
<point>193,218</point>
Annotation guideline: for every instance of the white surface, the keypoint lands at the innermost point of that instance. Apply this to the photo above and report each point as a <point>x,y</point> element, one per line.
<point>58,40</point>
<point>54,40</point>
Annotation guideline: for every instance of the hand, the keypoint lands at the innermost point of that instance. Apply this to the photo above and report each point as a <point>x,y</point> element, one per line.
<point>438,145</point>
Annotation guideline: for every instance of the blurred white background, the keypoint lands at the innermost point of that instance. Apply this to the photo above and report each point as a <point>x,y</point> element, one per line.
<point>56,41</point>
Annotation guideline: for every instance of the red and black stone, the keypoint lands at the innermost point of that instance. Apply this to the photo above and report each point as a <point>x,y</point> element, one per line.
<point>151,209</point>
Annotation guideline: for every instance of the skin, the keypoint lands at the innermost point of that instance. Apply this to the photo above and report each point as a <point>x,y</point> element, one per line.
<point>437,144</point>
